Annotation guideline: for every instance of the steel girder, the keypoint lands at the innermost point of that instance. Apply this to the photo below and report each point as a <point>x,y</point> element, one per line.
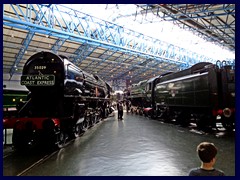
<point>27,40</point>
<point>58,45</point>
<point>80,53</point>
<point>21,52</point>
<point>106,55</point>
<point>202,18</point>
<point>68,24</point>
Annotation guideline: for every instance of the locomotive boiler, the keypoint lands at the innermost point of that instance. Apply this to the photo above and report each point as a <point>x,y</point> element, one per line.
<point>63,101</point>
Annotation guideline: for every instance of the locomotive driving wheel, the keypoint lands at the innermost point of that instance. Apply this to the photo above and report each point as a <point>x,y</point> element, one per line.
<point>98,116</point>
<point>85,123</point>
<point>62,139</point>
<point>92,120</point>
<point>77,130</point>
<point>18,138</point>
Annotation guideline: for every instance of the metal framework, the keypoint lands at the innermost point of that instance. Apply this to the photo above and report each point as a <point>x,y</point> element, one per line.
<point>92,33</point>
<point>214,22</point>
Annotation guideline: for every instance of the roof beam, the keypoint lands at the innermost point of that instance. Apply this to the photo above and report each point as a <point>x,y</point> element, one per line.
<point>117,37</point>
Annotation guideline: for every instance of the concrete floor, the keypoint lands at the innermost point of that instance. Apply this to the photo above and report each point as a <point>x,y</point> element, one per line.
<point>136,146</point>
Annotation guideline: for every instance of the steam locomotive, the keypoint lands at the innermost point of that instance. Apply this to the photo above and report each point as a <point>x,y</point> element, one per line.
<point>64,101</point>
<point>204,93</point>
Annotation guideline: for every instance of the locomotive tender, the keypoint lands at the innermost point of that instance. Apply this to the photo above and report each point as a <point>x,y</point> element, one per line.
<point>63,101</point>
<point>204,93</point>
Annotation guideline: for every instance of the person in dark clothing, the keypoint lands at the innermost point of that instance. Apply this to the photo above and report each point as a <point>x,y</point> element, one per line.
<point>207,154</point>
<point>120,110</point>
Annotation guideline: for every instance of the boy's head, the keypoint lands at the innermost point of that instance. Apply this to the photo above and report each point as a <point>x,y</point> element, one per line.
<point>206,151</point>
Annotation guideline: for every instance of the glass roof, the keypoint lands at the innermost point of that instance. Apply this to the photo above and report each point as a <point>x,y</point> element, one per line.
<point>129,16</point>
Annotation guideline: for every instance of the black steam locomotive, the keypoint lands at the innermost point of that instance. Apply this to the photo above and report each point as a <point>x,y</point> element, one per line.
<point>63,101</point>
<point>204,93</point>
